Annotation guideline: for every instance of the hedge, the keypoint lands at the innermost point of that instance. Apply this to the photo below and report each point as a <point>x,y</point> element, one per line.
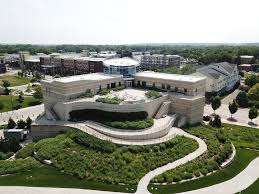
<point>100,115</point>
<point>139,124</point>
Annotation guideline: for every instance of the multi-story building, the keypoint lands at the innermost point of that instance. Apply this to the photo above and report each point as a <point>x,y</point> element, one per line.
<point>157,60</point>
<point>182,94</point>
<point>220,77</point>
<point>70,65</point>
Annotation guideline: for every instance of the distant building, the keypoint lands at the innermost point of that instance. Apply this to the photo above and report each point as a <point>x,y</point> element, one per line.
<point>246,59</point>
<point>157,60</point>
<point>221,77</point>
<point>2,64</point>
<point>245,67</point>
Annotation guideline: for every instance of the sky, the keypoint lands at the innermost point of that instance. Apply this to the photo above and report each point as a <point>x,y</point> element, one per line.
<point>128,21</point>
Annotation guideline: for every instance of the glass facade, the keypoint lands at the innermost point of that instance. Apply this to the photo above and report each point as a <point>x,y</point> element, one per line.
<point>126,71</point>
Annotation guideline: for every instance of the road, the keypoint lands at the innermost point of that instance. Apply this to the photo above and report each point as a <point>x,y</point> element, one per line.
<point>229,98</point>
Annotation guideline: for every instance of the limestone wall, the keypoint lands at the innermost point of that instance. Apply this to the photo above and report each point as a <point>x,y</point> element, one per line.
<point>63,108</point>
<point>192,108</point>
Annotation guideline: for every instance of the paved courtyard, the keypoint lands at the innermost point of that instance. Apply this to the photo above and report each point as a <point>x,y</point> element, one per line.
<point>23,113</point>
<point>241,115</point>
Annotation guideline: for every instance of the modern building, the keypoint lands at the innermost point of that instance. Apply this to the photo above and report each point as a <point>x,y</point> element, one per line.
<point>220,77</point>
<point>121,66</point>
<point>183,94</point>
<point>157,60</point>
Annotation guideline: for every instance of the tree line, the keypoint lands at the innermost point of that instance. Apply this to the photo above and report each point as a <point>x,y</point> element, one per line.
<point>205,54</point>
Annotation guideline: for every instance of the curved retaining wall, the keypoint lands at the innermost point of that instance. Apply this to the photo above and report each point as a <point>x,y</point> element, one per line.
<point>63,108</point>
<point>156,131</point>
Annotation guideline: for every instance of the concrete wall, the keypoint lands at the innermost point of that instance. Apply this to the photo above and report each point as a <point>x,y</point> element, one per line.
<point>39,132</point>
<point>191,107</point>
<point>63,108</point>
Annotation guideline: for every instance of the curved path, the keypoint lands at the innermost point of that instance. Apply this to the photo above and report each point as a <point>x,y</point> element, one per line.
<point>239,183</point>
<point>143,183</point>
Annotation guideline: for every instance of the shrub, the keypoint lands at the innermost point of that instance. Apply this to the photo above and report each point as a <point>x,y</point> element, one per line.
<point>11,123</point>
<point>206,118</point>
<point>25,152</point>
<point>153,94</point>
<point>18,106</point>
<point>139,124</point>
<point>21,124</point>
<point>216,122</point>
<point>14,166</point>
<point>244,88</point>
<point>104,92</point>
<point>88,93</point>
<point>110,100</point>
<point>118,88</point>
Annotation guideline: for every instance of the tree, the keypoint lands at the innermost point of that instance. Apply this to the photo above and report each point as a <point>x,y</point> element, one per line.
<point>20,97</point>
<point>38,93</point>
<point>233,107</point>
<point>28,123</point>
<point>11,123</point>
<point>215,103</point>
<point>21,124</point>
<point>253,92</point>
<point>242,99</point>
<point>251,80</point>
<point>6,84</point>
<point>253,113</point>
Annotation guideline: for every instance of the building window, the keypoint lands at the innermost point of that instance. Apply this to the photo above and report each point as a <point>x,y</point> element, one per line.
<point>168,87</point>
<point>108,86</point>
<point>138,83</point>
<point>185,90</point>
<point>100,88</point>
<point>154,85</point>
<point>144,84</point>
<point>176,89</point>
<point>119,83</point>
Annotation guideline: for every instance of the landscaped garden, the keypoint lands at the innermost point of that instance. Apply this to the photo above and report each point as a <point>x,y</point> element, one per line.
<point>15,80</point>
<point>87,159</point>
<point>241,137</point>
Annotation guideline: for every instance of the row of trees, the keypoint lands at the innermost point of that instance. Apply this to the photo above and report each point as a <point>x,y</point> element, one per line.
<point>233,107</point>
<point>203,53</point>
<point>21,124</point>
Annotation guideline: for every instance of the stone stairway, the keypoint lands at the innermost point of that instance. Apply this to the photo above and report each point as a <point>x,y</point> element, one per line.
<point>163,109</point>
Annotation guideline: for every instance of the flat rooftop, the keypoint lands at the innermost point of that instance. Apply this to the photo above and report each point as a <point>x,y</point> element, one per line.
<point>172,77</point>
<point>85,77</point>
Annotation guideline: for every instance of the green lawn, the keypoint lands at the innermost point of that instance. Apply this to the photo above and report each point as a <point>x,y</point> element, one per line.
<point>253,189</point>
<point>47,176</point>
<point>15,80</point>
<point>28,101</point>
<point>242,159</point>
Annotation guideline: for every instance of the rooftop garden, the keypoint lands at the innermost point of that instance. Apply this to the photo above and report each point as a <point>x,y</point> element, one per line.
<point>109,100</point>
<point>153,94</point>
